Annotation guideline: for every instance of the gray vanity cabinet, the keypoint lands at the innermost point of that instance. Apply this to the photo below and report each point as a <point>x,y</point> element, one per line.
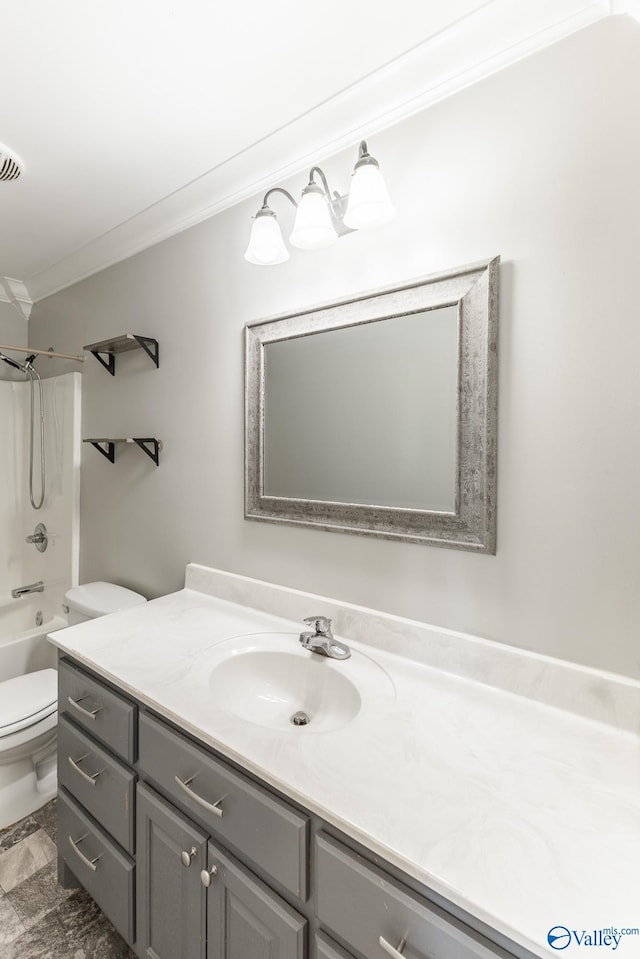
<point>224,867</point>
<point>171,899</point>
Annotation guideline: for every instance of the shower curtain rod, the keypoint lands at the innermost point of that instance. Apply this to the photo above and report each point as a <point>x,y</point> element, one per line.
<point>28,349</point>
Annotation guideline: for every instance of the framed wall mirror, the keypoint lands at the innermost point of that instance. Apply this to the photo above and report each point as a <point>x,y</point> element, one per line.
<point>377,415</point>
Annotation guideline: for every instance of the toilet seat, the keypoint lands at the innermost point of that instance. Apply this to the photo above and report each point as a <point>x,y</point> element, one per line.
<point>27,700</point>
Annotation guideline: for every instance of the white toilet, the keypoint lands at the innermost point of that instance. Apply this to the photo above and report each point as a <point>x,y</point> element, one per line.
<point>28,707</point>
<point>28,720</point>
<point>97,599</point>
<point>29,712</point>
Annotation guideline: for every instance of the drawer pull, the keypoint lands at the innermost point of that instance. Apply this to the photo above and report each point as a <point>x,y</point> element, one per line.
<point>91,863</point>
<point>212,807</point>
<point>87,713</point>
<point>87,778</point>
<point>186,857</point>
<point>396,953</point>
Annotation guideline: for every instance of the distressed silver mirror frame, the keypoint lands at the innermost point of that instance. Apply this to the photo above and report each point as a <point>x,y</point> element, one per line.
<point>472,523</point>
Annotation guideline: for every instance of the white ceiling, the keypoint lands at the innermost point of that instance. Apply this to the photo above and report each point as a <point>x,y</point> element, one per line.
<point>137,118</point>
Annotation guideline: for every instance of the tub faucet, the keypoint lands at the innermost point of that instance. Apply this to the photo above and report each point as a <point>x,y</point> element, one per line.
<point>31,588</point>
<point>39,538</point>
<point>321,640</point>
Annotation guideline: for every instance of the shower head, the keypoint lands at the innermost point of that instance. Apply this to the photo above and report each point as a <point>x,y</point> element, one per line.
<point>13,363</point>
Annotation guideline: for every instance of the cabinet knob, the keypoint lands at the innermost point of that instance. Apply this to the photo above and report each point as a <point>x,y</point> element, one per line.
<point>207,875</point>
<point>186,857</point>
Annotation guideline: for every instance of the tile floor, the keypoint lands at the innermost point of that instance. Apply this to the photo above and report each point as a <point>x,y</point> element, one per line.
<point>38,919</point>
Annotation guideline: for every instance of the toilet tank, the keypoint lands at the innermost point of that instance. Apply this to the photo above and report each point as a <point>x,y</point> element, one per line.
<point>97,599</point>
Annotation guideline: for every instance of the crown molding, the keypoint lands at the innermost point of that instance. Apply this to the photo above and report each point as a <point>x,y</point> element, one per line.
<point>497,35</point>
<point>15,292</point>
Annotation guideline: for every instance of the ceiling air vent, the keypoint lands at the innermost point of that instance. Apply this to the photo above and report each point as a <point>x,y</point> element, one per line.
<point>10,165</point>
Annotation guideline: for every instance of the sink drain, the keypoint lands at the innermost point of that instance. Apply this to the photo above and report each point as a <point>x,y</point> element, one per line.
<point>300,718</point>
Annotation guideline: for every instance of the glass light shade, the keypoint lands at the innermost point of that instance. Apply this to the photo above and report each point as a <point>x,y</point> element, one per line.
<point>369,204</point>
<point>313,228</point>
<point>266,246</point>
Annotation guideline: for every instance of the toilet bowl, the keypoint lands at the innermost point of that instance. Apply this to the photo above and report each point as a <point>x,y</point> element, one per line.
<point>28,713</point>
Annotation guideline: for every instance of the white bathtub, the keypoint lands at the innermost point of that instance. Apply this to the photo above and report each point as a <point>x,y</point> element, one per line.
<point>23,646</point>
<point>24,649</point>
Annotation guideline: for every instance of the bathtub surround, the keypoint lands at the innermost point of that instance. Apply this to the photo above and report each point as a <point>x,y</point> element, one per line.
<point>38,918</point>
<point>22,562</point>
<point>538,162</point>
<point>477,771</point>
<point>27,735</point>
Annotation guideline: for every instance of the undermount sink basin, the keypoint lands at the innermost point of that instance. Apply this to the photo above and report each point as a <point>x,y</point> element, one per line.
<point>268,679</point>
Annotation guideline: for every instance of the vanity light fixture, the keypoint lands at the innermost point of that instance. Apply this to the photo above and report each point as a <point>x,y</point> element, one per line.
<point>322,217</point>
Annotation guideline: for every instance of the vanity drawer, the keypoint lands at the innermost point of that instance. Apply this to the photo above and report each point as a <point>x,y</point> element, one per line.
<point>101,783</point>
<point>105,872</point>
<point>103,713</point>
<point>241,814</point>
<point>359,904</point>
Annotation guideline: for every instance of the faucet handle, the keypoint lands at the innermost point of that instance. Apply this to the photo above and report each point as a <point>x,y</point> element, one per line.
<point>321,624</point>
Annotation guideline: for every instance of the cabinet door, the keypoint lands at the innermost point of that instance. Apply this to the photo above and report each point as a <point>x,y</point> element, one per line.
<point>170,896</point>
<point>246,919</point>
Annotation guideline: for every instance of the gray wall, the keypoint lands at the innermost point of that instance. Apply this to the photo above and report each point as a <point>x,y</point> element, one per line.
<point>537,163</point>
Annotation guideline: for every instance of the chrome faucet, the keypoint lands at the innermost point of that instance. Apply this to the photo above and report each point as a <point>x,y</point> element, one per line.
<point>23,590</point>
<point>321,640</point>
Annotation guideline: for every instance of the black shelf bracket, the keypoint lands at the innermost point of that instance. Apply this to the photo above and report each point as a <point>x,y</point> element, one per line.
<point>145,442</point>
<point>150,346</point>
<point>109,452</point>
<point>109,363</point>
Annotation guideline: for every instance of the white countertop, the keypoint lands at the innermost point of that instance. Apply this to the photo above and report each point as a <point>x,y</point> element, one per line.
<point>523,814</point>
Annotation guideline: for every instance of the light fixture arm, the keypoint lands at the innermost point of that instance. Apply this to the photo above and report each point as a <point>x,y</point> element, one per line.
<point>336,202</point>
<point>277,189</point>
<point>364,157</point>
